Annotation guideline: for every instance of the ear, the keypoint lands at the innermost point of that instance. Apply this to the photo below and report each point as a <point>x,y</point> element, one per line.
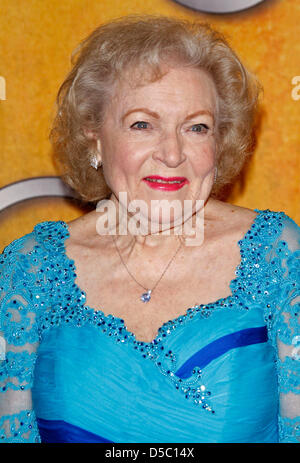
<point>95,142</point>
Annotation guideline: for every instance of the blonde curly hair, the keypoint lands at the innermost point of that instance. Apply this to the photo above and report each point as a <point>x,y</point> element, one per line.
<point>144,43</point>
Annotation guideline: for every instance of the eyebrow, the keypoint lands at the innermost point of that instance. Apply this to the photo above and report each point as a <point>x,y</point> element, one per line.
<point>200,113</point>
<point>156,116</point>
<point>140,110</point>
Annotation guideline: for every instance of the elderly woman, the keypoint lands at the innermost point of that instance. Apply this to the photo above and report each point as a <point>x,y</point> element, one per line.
<point>126,325</point>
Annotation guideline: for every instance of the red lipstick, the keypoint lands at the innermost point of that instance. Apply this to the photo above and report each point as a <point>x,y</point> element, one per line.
<point>165,183</point>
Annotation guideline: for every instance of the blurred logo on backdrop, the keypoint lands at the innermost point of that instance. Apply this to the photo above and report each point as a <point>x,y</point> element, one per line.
<point>37,187</point>
<point>30,188</point>
<point>217,6</point>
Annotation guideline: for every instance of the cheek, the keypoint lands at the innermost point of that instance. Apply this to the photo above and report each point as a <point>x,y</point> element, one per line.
<point>204,159</point>
<point>122,165</point>
<point>128,158</point>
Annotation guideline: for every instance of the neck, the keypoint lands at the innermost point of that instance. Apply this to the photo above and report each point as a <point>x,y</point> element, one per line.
<point>165,236</point>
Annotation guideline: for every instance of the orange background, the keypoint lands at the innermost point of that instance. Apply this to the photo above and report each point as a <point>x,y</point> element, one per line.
<point>36,40</point>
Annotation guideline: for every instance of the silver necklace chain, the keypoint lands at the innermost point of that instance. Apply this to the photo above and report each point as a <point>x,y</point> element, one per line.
<point>145,297</point>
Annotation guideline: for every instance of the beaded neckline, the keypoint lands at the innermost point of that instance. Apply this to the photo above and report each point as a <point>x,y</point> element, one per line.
<point>100,318</point>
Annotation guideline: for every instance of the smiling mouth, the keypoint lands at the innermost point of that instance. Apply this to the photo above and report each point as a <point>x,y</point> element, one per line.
<point>162,181</point>
<point>165,183</point>
<point>168,180</point>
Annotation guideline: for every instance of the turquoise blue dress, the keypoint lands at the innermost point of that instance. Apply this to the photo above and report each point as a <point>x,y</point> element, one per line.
<point>227,371</point>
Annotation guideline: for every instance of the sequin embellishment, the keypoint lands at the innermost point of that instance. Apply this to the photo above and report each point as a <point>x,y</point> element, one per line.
<point>55,299</point>
<point>192,388</point>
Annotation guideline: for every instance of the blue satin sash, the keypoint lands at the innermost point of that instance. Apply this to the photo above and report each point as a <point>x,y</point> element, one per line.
<point>220,346</point>
<point>59,431</point>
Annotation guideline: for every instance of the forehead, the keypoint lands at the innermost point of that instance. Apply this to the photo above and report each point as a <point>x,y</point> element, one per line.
<point>178,89</point>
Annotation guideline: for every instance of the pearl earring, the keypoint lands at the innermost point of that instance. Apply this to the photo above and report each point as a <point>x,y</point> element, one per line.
<point>94,161</point>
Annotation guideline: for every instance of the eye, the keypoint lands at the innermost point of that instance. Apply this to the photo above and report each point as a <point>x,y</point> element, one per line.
<point>200,128</point>
<point>140,125</point>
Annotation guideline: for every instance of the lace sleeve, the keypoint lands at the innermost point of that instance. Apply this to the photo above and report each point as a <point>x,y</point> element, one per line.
<point>285,261</point>
<point>18,342</point>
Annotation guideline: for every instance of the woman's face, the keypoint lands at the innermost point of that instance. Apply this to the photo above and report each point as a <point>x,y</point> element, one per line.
<point>159,130</point>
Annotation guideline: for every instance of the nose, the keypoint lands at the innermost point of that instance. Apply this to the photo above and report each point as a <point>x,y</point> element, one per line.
<point>170,150</point>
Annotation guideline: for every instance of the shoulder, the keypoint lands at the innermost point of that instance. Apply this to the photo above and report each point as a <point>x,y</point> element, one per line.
<point>46,235</point>
<point>23,257</point>
<point>258,226</point>
<point>228,220</point>
<point>84,227</point>
<point>235,215</point>
<point>228,213</point>
<point>84,238</point>
<point>290,231</point>
<point>29,273</point>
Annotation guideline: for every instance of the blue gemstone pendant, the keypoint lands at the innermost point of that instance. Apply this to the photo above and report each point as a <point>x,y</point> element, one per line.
<point>145,297</point>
